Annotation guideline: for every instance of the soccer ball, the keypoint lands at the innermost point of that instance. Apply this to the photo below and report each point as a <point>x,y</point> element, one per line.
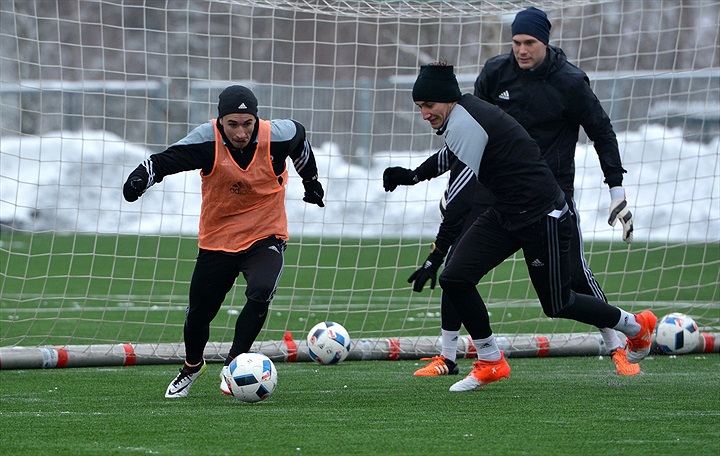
<point>677,334</point>
<point>253,377</point>
<point>328,343</point>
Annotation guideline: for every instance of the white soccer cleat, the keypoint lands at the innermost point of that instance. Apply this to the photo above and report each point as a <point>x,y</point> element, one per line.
<point>225,381</point>
<point>184,380</point>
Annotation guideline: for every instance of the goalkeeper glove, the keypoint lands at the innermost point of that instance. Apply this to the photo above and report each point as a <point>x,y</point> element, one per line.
<point>313,192</point>
<point>620,211</point>
<point>392,177</point>
<point>139,181</point>
<point>428,271</point>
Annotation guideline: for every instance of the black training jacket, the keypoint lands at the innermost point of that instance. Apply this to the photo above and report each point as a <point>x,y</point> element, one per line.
<point>197,151</point>
<point>463,201</point>
<point>503,157</point>
<point>552,101</point>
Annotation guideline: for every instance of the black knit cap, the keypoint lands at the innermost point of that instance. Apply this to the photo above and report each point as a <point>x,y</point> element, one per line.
<point>533,22</point>
<point>237,99</point>
<point>436,83</point>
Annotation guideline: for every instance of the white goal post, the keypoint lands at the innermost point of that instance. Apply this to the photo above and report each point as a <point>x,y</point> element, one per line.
<point>89,88</point>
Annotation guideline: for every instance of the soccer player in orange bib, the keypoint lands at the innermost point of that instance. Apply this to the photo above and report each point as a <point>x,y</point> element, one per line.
<point>243,223</point>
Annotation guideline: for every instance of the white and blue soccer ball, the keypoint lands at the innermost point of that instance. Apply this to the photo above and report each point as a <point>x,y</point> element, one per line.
<point>253,377</point>
<point>328,343</point>
<point>677,334</point>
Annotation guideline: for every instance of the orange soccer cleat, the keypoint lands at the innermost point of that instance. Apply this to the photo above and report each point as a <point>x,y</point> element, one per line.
<point>622,365</point>
<point>638,347</point>
<point>483,372</point>
<point>439,366</point>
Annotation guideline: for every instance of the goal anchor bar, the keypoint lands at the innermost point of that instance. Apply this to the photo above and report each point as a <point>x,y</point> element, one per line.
<point>289,350</point>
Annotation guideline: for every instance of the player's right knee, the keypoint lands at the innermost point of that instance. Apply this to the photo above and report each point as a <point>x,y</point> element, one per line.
<point>449,282</point>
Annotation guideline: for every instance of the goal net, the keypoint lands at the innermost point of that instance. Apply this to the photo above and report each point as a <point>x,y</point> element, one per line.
<point>90,88</point>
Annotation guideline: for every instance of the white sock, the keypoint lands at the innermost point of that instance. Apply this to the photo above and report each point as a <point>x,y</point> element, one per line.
<point>611,339</point>
<point>628,325</point>
<point>487,349</point>
<point>449,344</point>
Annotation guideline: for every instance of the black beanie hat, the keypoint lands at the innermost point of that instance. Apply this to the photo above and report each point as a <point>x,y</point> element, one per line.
<point>436,83</point>
<point>237,99</point>
<point>533,22</point>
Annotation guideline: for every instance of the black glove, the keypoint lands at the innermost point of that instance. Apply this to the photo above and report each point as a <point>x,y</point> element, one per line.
<point>313,192</point>
<point>392,177</point>
<point>134,187</point>
<point>428,271</point>
<point>137,182</point>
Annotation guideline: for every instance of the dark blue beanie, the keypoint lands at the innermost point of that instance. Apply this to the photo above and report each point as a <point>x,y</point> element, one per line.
<point>533,22</point>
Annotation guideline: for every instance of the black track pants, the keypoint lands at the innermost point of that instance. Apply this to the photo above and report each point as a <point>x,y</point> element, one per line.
<point>214,276</point>
<point>546,248</point>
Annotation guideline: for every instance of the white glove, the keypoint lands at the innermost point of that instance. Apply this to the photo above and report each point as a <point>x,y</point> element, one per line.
<point>620,211</point>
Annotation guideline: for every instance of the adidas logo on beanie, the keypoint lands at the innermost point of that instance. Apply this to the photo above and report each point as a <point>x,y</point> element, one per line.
<point>237,99</point>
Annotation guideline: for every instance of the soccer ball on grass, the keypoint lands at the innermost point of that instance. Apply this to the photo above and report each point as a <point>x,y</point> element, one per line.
<point>253,377</point>
<point>328,343</point>
<point>677,334</point>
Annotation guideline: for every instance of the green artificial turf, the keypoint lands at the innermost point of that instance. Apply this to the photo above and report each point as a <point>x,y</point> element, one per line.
<point>558,406</point>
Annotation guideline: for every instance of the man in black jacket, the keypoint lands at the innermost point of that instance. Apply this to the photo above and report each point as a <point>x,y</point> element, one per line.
<point>551,98</point>
<point>530,213</point>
